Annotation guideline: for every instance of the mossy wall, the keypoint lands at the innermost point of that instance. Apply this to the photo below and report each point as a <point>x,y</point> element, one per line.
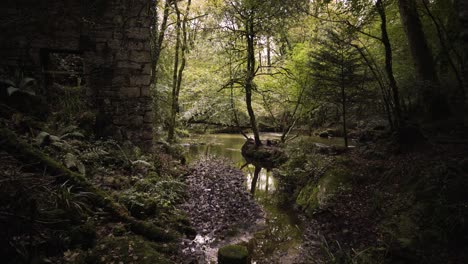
<point>111,36</point>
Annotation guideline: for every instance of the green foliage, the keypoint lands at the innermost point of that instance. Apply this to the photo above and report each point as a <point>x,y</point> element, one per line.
<point>336,67</point>
<point>335,254</point>
<point>150,195</point>
<point>71,200</point>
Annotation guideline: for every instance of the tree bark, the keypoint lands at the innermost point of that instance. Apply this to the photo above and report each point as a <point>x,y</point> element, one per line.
<point>389,63</point>
<point>180,51</point>
<point>422,56</point>
<point>158,41</point>
<point>432,100</point>
<point>174,99</point>
<point>249,85</point>
<point>442,34</point>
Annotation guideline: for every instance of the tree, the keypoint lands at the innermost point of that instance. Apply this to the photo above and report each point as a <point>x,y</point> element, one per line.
<point>432,99</point>
<point>158,33</point>
<point>337,71</point>
<point>180,52</point>
<point>249,19</point>
<point>380,6</point>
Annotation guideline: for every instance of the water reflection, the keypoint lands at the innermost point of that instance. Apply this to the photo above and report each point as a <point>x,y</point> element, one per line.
<point>259,178</point>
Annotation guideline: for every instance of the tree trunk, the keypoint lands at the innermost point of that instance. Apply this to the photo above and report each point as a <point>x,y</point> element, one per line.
<point>446,48</point>
<point>343,100</point>
<point>433,100</point>
<point>389,63</point>
<point>180,47</point>
<point>158,41</point>
<point>422,56</point>
<point>463,15</point>
<point>174,99</point>
<point>343,105</point>
<point>249,85</point>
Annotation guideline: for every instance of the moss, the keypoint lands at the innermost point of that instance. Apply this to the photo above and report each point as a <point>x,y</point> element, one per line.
<point>153,232</point>
<point>265,156</point>
<point>233,254</point>
<point>315,195</point>
<point>29,155</point>
<point>132,249</point>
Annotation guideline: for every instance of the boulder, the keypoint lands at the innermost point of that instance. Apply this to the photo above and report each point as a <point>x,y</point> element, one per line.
<point>233,254</point>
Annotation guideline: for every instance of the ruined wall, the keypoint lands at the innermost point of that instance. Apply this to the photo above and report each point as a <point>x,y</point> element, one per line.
<point>113,38</point>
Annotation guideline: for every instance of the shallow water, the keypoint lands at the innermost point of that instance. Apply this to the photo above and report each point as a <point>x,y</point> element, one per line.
<point>279,242</point>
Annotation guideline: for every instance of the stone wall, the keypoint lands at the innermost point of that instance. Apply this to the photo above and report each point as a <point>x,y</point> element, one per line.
<point>113,38</point>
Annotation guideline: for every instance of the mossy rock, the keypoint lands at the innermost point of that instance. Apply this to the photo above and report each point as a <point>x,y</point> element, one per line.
<point>131,249</point>
<point>233,254</point>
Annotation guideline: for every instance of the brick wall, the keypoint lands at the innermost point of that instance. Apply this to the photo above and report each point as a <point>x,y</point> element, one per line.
<point>113,38</point>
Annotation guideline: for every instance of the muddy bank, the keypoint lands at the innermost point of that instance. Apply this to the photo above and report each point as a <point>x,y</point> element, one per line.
<point>220,208</point>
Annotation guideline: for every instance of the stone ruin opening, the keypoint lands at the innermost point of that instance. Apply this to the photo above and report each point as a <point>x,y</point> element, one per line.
<point>62,67</point>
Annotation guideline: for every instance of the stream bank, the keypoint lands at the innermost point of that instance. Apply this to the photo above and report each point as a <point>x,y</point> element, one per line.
<point>281,238</point>
<point>220,209</point>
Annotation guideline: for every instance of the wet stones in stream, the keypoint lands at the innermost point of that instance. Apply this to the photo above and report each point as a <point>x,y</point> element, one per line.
<point>220,208</point>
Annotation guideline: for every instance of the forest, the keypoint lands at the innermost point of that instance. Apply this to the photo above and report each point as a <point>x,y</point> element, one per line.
<point>235,131</point>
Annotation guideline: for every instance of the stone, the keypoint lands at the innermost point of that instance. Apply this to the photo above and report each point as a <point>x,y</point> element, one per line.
<point>149,117</point>
<point>131,92</point>
<point>140,80</point>
<point>43,139</point>
<point>112,38</point>
<point>129,64</point>
<point>136,121</point>
<point>233,254</point>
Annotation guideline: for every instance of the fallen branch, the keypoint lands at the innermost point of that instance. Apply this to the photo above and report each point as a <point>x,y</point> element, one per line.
<point>28,154</point>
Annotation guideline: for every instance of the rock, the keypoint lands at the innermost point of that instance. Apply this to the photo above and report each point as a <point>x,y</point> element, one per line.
<point>324,134</point>
<point>43,139</point>
<point>233,254</point>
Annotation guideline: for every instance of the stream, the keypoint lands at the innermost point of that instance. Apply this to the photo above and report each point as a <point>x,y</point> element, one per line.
<point>280,240</point>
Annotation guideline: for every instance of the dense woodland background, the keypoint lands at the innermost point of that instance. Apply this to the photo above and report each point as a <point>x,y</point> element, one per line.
<point>308,64</point>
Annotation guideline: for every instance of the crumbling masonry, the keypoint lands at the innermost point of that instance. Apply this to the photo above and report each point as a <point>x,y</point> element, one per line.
<point>112,37</point>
